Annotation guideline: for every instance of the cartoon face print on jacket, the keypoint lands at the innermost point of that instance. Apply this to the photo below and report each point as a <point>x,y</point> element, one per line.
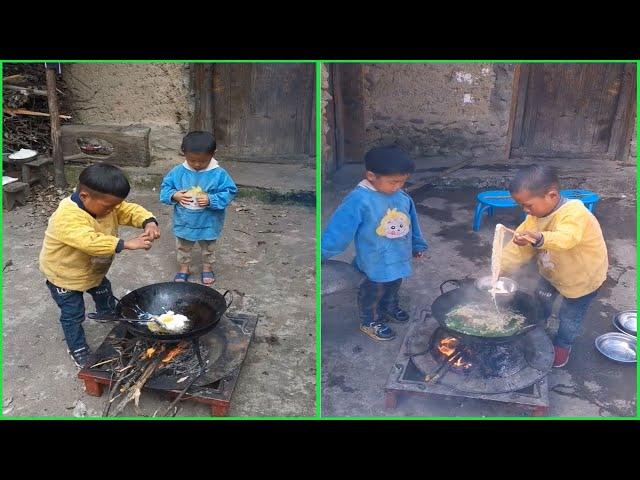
<point>394,224</point>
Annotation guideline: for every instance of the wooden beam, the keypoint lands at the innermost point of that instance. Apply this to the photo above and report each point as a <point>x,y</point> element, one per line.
<point>521,96</point>
<point>203,88</point>
<point>624,124</point>
<point>454,168</point>
<point>13,79</point>
<point>512,110</point>
<point>58,160</point>
<point>22,111</point>
<point>31,90</point>
<point>338,110</point>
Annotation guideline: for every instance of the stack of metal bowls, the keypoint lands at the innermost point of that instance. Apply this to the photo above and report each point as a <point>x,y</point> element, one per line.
<point>620,347</point>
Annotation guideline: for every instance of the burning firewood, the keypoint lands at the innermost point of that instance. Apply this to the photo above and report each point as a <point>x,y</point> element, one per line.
<point>173,353</point>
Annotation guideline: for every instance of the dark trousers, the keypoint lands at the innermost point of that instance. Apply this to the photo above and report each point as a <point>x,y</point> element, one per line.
<point>571,315</point>
<point>376,296</point>
<point>71,304</point>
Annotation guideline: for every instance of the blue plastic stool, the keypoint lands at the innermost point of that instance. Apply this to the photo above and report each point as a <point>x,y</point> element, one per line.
<point>487,201</point>
<point>589,198</point>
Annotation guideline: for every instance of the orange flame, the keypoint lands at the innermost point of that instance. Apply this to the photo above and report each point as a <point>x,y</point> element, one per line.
<point>174,352</point>
<point>447,346</point>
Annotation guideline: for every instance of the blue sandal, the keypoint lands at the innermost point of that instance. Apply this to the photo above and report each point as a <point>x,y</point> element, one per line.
<point>181,277</point>
<point>208,275</point>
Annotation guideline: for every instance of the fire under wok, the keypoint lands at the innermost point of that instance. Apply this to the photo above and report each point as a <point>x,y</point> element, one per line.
<point>203,306</point>
<point>461,309</point>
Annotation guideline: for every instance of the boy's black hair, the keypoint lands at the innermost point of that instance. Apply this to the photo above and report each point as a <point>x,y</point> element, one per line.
<point>199,142</point>
<point>105,178</point>
<point>535,178</point>
<point>389,160</point>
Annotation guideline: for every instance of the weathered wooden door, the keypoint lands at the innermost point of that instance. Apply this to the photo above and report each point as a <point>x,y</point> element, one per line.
<point>345,114</point>
<point>264,112</point>
<point>574,110</point>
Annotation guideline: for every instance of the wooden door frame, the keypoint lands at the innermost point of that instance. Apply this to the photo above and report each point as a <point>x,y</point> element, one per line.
<point>346,115</point>
<point>338,116</point>
<point>202,87</point>
<point>623,124</point>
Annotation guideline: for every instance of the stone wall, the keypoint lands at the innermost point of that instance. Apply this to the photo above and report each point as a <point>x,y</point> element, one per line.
<point>439,109</point>
<point>154,95</point>
<point>633,151</point>
<point>327,152</point>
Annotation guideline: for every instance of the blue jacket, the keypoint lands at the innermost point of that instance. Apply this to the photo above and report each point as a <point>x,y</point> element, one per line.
<point>205,223</point>
<point>385,229</point>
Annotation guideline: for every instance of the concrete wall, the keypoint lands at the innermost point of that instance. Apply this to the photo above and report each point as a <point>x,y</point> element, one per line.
<point>153,95</point>
<point>439,109</point>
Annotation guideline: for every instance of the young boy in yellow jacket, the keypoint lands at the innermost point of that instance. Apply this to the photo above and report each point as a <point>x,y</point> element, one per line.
<point>79,246</point>
<point>569,248</point>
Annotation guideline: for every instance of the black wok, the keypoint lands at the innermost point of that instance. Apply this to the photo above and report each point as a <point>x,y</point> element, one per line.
<point>466,293</point>
<point>203,306</point>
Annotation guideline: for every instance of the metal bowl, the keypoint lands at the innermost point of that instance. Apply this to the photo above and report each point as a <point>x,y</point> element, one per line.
<point>626,322</point>
<point>617,346</point>
<point>17,160</point>
<point>485,284</point>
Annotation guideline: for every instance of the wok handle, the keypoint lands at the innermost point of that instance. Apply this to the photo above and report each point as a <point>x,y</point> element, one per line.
<point>454,282</point>
<point>224,295</point>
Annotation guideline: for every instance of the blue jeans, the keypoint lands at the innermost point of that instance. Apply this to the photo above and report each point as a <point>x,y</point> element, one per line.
<point>71,304</point>
<point>572,312</point>
<point>377,295</point>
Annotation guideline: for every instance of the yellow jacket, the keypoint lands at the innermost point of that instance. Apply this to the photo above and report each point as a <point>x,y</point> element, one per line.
<point>78,249</point>
<point>573,256</point>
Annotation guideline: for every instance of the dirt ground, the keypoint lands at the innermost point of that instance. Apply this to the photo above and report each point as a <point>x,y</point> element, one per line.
<point>355,369</point>
<point>271,274</point>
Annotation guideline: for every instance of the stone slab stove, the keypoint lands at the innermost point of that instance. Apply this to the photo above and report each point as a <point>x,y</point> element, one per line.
<point>433,361</point>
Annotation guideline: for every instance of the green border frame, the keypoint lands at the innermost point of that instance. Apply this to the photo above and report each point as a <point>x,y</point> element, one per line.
<point>318,227</point>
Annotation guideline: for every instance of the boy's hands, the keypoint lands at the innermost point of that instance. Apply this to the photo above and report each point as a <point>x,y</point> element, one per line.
<point>526,238</point>
<point>203,200</point>
<point>151,231</point>
<point>183,198</point>
<point>418,254</point>
<point>138,243</point>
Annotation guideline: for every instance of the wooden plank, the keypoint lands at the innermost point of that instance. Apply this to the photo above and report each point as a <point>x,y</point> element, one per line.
<point>515,88</point>
<point>338,110</point>
<point>523,83</point>
<point>623,123</point>
<point>352,89</point>
<point>58,160</point>
<point>444,173</point>
<point>202,118</point>
<point>13,79</point>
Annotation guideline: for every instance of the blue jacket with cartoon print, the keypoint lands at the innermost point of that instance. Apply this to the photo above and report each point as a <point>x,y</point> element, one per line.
<point>199,223</point>
<point>385,229</point>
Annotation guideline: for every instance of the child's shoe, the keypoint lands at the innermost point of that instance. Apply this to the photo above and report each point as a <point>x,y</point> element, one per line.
<point>394,314</point>
<point>378,331</point>
<point>561,356</point>
<point>80,356</point>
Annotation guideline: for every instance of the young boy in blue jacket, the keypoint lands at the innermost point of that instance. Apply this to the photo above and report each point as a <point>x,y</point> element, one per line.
<point>382,221</point>
<point>200,190</point>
